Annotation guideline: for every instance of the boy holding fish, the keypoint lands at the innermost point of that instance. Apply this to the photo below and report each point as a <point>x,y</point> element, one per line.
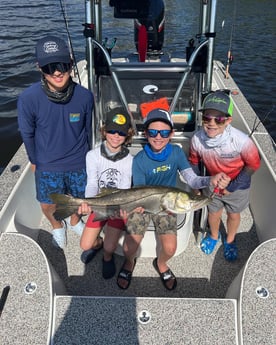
<point>158,165</point>
<point>108,166</point>
<point>222,147</point>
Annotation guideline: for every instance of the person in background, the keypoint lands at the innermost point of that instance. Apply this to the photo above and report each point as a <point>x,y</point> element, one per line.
<point>222,147</point>
<point>108,166</point>
<point>54,118</point>
<point>159,164</point>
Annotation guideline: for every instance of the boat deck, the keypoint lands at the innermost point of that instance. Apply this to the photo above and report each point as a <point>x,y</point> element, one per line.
<point>204,308</point>
<point>198,275</point>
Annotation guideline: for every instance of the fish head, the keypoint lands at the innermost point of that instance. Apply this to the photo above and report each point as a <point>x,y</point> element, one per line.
<point>181,202</point>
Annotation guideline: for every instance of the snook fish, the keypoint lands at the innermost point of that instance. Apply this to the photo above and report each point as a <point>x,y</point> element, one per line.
<point>154,199</point>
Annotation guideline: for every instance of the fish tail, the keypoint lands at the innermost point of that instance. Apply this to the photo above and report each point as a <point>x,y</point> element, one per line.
<point>64,206</point>
<point>62,214</point>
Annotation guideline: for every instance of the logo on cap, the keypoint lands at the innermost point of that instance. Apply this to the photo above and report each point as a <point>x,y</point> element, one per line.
<point>119,119</point>
<point>50,47</point>
<point>220,101</point>
<point>216,99</point>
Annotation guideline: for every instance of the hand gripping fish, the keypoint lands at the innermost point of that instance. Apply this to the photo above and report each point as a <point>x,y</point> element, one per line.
<point>154,199</point>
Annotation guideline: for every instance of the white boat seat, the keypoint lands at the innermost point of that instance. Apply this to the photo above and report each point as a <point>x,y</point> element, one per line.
<point>150,244</point>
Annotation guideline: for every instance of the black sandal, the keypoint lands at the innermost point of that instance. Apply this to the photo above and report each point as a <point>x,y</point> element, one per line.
<point>88,255</point>
<point>165,276</point>
<point>125,275</point>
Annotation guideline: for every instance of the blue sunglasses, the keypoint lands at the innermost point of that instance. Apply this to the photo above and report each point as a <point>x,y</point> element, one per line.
<point>121,134</point>
<point>165,133</point>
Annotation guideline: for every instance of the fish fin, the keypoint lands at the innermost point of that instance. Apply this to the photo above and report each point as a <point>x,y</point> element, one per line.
<point>99,216</point>
<point>104,213</point>
<point>60,198</point>
<point>63,207</point>
<point>62,214</point>
<point>106,191</point>
<point>159,213</point>
<point>163,212</point>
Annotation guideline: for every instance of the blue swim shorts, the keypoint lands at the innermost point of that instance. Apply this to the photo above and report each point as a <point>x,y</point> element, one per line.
<point>69,182</point>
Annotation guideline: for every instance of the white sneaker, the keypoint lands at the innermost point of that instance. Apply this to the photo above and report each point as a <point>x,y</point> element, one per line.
<point>78,228</point>
<point>59,237</point>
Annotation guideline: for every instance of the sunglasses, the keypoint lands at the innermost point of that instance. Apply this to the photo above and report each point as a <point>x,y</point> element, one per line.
<point>56,66</point>
<point>219,120</point>
<point>121,134</point>
<point>165,133</point>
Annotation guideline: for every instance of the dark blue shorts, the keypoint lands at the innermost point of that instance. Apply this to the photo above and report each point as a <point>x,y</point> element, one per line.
<point>69,182</point>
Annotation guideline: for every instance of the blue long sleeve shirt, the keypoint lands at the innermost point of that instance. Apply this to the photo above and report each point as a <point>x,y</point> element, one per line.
<point>56,136</point>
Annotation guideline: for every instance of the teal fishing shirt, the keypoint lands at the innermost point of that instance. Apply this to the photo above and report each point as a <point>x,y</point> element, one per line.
<point>147,171</point>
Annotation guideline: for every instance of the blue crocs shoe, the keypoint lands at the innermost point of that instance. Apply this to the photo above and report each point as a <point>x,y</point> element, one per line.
<point>208,244</point>
<point>230,251</point>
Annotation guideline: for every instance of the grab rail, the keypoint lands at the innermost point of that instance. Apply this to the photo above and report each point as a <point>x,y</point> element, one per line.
<point>152,67</point>
<point>116,81</point>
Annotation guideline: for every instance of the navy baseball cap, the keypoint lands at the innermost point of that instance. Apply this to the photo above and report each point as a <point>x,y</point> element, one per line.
<point>52,49</point>
<point>158,115</point>
<point>219,101</point>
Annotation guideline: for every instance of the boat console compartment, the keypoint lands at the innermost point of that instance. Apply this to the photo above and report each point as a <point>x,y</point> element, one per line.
<point>146,92</point>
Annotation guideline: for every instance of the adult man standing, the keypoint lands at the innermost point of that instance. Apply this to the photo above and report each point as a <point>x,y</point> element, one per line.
<point>54,117</point>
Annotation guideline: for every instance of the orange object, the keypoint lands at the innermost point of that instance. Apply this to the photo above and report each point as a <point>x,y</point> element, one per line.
<point>161,103</point>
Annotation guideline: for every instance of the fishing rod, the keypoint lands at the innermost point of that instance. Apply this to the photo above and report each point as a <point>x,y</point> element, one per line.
<point>256,125</point>
<point>229,54</point>
<point>62,6</point>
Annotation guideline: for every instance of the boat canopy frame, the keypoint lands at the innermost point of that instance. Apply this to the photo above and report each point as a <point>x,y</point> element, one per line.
<point>93,33</point>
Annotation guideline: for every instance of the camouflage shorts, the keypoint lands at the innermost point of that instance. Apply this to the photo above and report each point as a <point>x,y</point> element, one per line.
<point>138,223</point>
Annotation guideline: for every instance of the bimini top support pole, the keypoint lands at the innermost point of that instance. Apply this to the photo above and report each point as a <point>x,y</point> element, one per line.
<point>211,38</point>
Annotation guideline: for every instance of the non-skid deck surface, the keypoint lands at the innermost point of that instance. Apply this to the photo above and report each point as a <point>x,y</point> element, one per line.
<point>27,312</point>
<point>258,296</point>
<point>198,275</point>
<point>104,321</point>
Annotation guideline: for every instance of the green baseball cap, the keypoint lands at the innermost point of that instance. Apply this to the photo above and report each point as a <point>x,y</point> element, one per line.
<point>220,101</point>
